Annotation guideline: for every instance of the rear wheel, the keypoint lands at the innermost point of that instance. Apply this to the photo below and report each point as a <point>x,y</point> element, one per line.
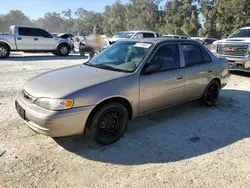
<point>4,51</point>
<point>109,123</point>
<point>63,50</point>
<point>211,94</point>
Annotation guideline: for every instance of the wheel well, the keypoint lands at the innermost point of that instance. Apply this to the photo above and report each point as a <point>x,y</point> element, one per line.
<point>3,43</point>
<point>218,80</point>
<point>64,43</point>
<point>120,100</point>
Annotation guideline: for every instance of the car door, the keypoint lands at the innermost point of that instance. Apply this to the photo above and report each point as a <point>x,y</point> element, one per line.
<point>198,70</point>
<point>44,41</point>
<point>24,39</point>
<point>165,87</point>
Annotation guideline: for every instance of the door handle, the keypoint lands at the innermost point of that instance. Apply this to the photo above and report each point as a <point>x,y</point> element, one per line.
<point>36,39</point>
<point>210,71</point>
<point>179,77</point>
<point>19,38</point>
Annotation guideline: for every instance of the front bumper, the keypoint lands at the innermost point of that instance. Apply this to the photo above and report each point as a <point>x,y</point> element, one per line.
<point>236,63</point>
<point>54,123</point>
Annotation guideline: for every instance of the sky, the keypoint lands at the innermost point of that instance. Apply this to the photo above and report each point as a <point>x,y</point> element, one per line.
<point>37,8</point>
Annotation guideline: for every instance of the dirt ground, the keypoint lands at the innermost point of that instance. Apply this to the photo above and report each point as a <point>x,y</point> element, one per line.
<point>184,146</point>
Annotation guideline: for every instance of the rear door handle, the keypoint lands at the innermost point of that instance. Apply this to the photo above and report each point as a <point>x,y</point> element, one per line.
<point>19,38</point>
<point>36,39</point>
<point>179,77</point>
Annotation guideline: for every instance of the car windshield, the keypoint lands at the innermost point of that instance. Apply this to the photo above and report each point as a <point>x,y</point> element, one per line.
<point>241,33</point>
<point>123,35</point>
<point>121,56</point>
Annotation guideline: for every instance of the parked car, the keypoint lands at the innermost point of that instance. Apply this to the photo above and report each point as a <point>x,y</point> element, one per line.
<point>176,36</point>
<point>127,80</point>
<point>132,35</point>
<point>236,48</point>
<point>205,41</point>
<point>32,39</point>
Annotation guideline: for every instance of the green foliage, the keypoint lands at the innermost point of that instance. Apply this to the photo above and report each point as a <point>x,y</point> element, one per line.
<point>211,18</point>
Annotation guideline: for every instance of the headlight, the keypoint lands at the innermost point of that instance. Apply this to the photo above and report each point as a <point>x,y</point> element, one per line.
<point>213,48</point>
<point>55,104</point>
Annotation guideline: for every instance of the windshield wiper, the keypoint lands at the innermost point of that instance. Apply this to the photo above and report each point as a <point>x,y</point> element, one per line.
<point>106,67</point>
<point>103,66</point>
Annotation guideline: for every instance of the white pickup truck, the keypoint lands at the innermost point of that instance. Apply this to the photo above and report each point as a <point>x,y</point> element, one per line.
<point>32,39</point>
<point>236,49</point>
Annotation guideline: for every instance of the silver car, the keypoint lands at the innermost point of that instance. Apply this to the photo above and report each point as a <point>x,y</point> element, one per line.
<point>127,80</point>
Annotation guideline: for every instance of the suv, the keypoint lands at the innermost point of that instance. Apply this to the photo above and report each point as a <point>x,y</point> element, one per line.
<point>236,48</point>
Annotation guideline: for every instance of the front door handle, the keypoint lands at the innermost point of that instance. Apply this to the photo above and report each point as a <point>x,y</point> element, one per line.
<point>36,39</point>
<point>19,38</point>
<point>179,77</point>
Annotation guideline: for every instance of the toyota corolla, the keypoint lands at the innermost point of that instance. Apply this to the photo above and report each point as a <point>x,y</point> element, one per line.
<point>127,80</point>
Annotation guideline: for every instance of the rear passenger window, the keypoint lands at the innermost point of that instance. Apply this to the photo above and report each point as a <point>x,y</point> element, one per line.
<point>41,33</point>
<point>206,57</point>
<point>194,55</point>
<point>148,35</point>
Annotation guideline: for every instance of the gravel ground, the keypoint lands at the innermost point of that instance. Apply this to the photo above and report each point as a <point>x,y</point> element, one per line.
<point>184,146</point>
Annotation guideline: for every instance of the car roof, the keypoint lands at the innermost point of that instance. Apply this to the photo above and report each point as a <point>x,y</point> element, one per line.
<point>136,31</point>
<point>158,40</point>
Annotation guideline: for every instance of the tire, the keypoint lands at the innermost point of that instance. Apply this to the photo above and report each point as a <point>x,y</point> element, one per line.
<point>55,53</point>
<point>63,50</point>
<point>109,123</point>
<point>211,94</point>
<point>4,51</point>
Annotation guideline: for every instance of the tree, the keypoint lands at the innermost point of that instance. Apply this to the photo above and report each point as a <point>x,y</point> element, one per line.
<point>142,14</point>
<point>69,20</point>
<point>14,17</point>
<point>181,18</point>
<point>114,18</point>
<point>88,20</point>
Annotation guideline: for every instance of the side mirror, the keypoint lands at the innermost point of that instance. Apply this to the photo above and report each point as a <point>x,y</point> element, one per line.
<point>153,68</point>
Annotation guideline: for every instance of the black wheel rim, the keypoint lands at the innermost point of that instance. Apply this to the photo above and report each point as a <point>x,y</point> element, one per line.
<point>111,124</point>
<point>212,94</point>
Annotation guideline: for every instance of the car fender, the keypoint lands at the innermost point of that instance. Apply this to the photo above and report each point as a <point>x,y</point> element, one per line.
<point>3,41</point>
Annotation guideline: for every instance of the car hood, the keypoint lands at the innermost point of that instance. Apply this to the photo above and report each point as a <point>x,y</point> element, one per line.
<point>62,82</point>
<point>234,40</point>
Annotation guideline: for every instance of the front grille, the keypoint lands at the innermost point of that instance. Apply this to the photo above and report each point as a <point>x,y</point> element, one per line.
<point>232,50</point>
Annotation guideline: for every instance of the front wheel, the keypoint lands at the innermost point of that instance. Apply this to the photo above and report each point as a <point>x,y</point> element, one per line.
<point>63,50</point>
<point>109,123</point>
<point>211,94</point>
<point>4,51</point>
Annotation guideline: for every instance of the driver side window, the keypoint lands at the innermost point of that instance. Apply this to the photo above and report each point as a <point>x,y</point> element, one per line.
<point>167,57</point>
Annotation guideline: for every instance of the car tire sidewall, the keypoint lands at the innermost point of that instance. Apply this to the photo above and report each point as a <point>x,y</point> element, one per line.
<point>7,49</point>
<point>204,101</point>
<point>95,128</point>
<point>63,46</point>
